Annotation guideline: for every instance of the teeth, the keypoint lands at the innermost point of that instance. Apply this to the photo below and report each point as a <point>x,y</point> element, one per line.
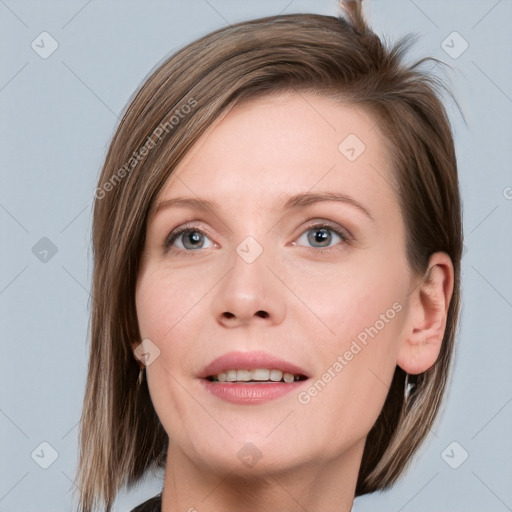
<point>288,377</point>
<point>243,375</point>
<point>276,375</point>
<point>260,375</point>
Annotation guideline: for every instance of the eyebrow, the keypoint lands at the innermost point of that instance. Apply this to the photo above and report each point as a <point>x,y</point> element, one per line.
<point>294,202</point>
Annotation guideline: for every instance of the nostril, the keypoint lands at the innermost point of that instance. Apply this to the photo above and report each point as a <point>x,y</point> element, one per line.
<point>262,314</point>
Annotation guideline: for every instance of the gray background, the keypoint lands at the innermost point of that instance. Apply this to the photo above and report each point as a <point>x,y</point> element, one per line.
<point>57,117</point>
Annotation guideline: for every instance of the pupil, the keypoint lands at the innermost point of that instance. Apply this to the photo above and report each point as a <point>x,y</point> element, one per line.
<point>194,237</point>
<point>320,236</point>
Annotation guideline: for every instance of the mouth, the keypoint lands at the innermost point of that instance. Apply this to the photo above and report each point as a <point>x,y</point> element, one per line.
<point>251,377</point>
<point>257,376</point>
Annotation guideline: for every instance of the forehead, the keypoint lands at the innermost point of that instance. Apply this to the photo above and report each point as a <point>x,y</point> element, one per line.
<point>273,146</point>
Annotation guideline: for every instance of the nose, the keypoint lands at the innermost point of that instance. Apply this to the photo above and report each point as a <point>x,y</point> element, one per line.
<point>249,293</point>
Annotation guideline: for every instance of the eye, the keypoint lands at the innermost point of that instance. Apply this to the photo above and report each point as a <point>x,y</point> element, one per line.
<point>187,239</point>
<point>322,235</point>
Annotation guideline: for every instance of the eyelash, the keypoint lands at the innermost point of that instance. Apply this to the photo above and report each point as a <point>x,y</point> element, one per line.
<point>167,246</point>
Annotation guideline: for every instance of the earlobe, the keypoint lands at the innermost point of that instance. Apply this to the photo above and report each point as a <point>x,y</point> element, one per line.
<point>429,303</point>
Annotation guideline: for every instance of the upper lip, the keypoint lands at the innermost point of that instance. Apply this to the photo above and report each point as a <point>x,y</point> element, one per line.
<point>250,361</point>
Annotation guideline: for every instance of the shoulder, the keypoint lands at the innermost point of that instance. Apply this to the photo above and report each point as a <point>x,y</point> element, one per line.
<point>152,505</point>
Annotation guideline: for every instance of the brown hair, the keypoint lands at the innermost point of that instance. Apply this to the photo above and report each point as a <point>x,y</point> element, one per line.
<point>120,434</point>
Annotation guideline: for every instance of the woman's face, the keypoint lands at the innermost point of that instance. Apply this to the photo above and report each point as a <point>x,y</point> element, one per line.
<point>295,270</point>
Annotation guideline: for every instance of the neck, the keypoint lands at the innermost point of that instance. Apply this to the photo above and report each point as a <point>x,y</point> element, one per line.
<point>327,486</point>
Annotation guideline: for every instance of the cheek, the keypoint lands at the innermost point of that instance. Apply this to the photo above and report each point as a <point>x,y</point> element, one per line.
<point>161,313</point>
<point>171,314</point>
<point>164,301</point>
<point>365,315</point>
<point>349,391</point>
<point>352,300</point>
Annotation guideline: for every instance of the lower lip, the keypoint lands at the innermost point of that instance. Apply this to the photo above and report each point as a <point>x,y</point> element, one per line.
<point>250,394</point>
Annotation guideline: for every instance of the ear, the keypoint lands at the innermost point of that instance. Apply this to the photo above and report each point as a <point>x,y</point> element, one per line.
<point>428,310</point>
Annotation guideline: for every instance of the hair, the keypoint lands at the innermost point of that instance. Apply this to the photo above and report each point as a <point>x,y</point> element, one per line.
<point>120,434</point>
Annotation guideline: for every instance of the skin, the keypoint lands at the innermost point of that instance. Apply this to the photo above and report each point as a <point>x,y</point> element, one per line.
<point>196,304</point>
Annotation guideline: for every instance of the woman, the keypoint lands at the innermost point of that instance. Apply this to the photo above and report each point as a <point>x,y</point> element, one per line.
<point>277,239</point>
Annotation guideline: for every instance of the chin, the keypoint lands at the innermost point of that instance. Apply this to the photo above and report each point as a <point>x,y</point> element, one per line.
<point>251,452</point>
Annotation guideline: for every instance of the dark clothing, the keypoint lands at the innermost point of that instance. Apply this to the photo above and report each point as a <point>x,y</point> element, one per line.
<point>152,505</point>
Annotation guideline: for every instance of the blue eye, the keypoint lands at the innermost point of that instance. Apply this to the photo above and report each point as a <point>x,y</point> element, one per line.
<point>321,235</point>
<point>190,238</point>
